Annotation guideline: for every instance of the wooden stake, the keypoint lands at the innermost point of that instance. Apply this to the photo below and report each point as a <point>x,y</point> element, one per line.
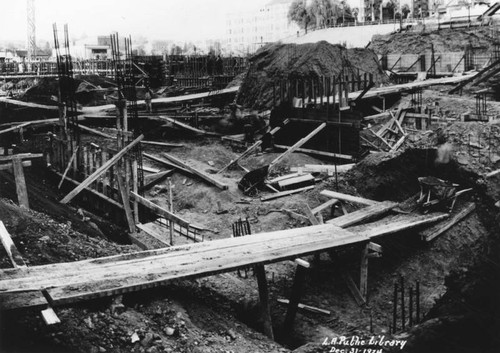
<point>22,192</point>
<point>260,272</point>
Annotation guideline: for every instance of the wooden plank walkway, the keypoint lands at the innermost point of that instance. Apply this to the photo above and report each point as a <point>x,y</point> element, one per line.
<point>362,214</point>
<point>81,280</point>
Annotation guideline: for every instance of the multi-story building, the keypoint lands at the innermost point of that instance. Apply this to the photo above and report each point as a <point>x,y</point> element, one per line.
<point>249,30</point>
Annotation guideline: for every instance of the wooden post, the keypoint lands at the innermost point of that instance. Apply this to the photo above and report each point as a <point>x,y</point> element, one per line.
<point>126,201</point>
<point>171,209</point>
<point>22,192</point>
<point>298,283</point>
<point>14,255</point>
<point>260,272</point>
<point>363,281</point>
<point>135,188</point>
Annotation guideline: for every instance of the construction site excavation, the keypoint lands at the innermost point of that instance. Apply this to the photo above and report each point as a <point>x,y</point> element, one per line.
<point>318,176</point>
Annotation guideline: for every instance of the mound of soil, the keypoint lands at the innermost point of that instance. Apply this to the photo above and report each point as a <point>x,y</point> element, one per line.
<point>444,40</point>
<point>88,90</point>
<point>311,59</point>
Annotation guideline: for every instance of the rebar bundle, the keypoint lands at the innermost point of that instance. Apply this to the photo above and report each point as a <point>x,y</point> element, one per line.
<point>67,85</point>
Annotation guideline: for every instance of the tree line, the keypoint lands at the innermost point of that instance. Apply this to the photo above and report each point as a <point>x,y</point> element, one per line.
<point>327,13</point>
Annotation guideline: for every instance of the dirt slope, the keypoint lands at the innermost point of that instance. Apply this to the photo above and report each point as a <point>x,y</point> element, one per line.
<point>444,40</point>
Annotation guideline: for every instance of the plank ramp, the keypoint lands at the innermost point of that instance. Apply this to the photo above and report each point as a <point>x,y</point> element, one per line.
<point>349,198</point>
<point>363,214</point>
<point>441,227</point>
<point>395,224</point>
<point>81,280</point>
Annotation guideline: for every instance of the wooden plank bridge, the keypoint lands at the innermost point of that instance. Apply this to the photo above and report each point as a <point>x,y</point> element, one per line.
<point>93,278</point>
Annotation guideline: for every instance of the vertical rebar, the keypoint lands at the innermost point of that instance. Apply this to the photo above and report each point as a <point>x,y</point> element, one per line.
<point>410,307</point>
<point>417,302</point>
<point>395,308</point>
<point>402,303</point>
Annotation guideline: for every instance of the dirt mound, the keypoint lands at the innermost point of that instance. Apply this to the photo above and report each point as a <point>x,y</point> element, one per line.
<point>444,40</point>
<point>88,90</point>
<point>312,59</point>
<point>42,240</point>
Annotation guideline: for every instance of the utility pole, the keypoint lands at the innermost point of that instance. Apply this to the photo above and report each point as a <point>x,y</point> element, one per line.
<point>31,29</point>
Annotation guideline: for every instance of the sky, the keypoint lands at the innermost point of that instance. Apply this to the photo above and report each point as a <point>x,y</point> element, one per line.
<point>178,20</point>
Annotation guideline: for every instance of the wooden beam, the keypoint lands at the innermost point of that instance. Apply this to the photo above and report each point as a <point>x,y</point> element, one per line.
<point>199,173</point>
<point>152,179</point>
<point>68,166</point>
<point>283,177</point>
<point>403,223</point>
<point>95,132</point>
<point>17,127</point>
<point>314,221</point>
<point>435,231</point>
<point>252,148</point>
<point>350,198</point>
<point>363,280</point>
<point>163,144</point>
<point>92,191</point>
<point>298,144</point>
<point>14,255</point>
<point>159,210</point>
<point>21,156</point>
<point>149,169</point>
<point>188,127</point>
<point>22,192</point>
<point>358,297</point>
<point>319,153</point>
<point>363,214</point>
<point>260,273</point>
<point>50,317</point>
<point>164,162</point>
<point>124,193</point>
<point>153,234</point>
<point>320,168</point>
<point>305,307</point>
<point>492,174</point>
<point>325,205</point>
<point>306,178</point>
<point>285,193</point>
<point>8,166</point>
<point>101,170</point>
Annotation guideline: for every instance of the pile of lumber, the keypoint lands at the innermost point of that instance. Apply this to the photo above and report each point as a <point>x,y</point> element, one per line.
<point>391,135</point>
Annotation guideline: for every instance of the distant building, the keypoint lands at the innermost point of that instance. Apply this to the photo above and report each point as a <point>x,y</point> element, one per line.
<point>249,30</point>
